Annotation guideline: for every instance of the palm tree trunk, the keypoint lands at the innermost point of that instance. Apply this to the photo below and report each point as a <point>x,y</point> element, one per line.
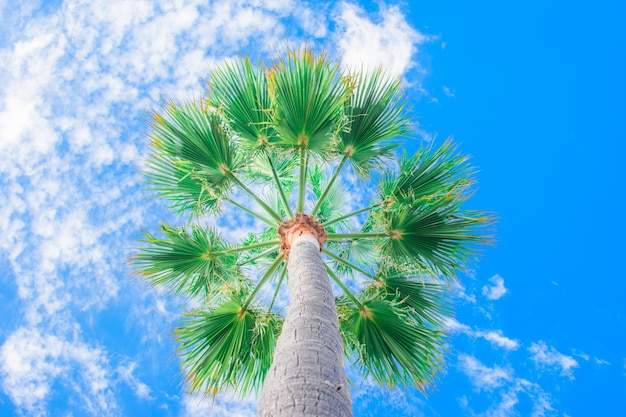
<point>307,377</point>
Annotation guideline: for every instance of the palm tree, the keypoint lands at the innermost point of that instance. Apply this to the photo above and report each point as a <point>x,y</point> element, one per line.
<point>274,143</point>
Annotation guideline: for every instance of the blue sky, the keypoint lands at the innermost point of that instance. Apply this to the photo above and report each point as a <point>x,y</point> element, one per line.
<point>534,91</point>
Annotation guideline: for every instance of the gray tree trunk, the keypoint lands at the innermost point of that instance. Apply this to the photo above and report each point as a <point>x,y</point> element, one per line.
<point>307,377</point>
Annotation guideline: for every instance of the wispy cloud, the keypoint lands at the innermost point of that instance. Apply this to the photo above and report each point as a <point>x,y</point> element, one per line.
<point>505,389</point>
<point>32,362</point>
<point>126,374</point>
<point>461,292</point>
<point>482,376</point>
<point>497,290</point>
<point>548,357</point>
<point>448,92</point>
<point>495,337</point>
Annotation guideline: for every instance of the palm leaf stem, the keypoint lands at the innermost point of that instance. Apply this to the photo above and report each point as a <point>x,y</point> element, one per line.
<point>263,280</point>
<point>343,236</point>
<point>281,192</point>
<point>265,220</point>
<point>256,198</point>
<point>347,216</point>
<point>302,180</point>
<point>348,264</point>
<point>278,284</point>
<point>254,258</point>
<point>247,247</point>
<point>343,286</point>
<point>329,185</point>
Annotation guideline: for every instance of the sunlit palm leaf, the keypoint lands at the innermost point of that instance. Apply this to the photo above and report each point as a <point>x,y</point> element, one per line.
<point>180,183</point>
<point>438,236</point>
<point>241,92</point>
<point>428,302</point>
<point>228,347</point>
<point>188,262</point>
<point>429,175</point>
<point>308,99</point>
<point>392,347</point>
<point>376,120</point>
<point>190,143</point>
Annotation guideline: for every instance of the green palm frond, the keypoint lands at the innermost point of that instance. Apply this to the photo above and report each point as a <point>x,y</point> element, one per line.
<point>440,238</point>
<point>240,90</point>
<point>191,144</point>
<point>192,262</point>
<point>428,302</point>
<point>376,120</point>
<point>391,345</point>
<point>308,98</point>
<point>183,186</point>
<point>429,175</point>
<point>227,347</point>
<point>422,213</point>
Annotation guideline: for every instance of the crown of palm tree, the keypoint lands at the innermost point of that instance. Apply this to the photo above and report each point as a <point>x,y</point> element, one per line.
<point>294,128</point>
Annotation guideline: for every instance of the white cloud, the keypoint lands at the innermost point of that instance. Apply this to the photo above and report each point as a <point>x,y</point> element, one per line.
<point>391,42</point>
<point>126,373</point>
<point>460,290</point>
<point>600,361</point>
<point>505,390</point>
<point>495,337</point>
<point>483,377</point>
<point>548,357</point>
<point>197,406</point>
<point>32,362</point>
<point>496,291</point>
<point>448,92</point>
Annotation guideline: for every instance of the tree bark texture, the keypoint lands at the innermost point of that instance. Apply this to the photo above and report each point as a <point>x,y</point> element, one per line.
<point>307,377</point>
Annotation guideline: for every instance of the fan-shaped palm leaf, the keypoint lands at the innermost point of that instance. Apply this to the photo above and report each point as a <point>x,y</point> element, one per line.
<point>392,347</point>
<point>195,262</point>
<point>240,91</point>
<point>190,142</point>
<point>437,237</point>
<point>376,120</point>
<point>429,175</point>
<point>308,99</point>
<point>228,347</point>
<point>179,182</point>
<point>428,302</point>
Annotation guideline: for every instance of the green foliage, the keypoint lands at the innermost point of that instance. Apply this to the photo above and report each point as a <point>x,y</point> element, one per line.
<point>191,143</point>
<point>229,346</point>
<point>267,133</point>
<point>422,214</point>
<point>195,263</point>
<point>241,92</point>
<point>308,97</point>
<point>391,345</point>
<point>376,120</point>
